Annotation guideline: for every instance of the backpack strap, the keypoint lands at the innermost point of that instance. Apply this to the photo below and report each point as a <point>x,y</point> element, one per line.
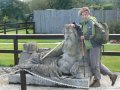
<point>97,23</point>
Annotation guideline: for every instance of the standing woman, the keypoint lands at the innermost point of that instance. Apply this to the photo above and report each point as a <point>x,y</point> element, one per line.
<point>93,48</point>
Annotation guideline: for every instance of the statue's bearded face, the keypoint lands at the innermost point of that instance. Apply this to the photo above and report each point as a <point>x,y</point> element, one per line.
<point>71,39</point>
<point>70,33</point>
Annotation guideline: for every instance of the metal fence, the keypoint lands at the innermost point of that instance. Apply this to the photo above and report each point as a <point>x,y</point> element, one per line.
<point>52,21</point>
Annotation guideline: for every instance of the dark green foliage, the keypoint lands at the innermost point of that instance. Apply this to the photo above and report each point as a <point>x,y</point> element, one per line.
<point>13,9</point>
<point>108,6</point>
<point>57,4</point>
<point>96,7</point>
<point>68,4</point>
<point>114,27</point>
<point>102,6</point>
<point>62,4</point>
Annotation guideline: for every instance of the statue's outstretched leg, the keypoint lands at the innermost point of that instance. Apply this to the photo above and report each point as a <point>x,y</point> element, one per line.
<point>17,67</point>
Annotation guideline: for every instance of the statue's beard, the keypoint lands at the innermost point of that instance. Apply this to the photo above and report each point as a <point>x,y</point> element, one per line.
<point>70,45</point>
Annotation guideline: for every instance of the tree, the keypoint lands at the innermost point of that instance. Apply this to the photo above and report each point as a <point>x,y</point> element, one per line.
<point>56,4</point>
<point>38,4</point>
<point>68,4</point>
<point>50,4</point>
<point>62,4</point>
<point>13,8</point>
<point>80,3</point>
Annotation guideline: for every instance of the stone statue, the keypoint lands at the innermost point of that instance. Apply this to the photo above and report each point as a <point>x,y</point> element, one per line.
<point>71,62</point>
<point>66,60</point>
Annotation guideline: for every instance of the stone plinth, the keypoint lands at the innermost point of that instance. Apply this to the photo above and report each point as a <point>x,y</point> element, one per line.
<point>34,80</point>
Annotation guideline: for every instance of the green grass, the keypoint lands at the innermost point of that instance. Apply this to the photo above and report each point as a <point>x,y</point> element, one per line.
<point>112,62</point>
<point>41,40</point>
<point>108,47</point>
<point>20,46</point>
<point>8,59</point>
<point>31,40</point>
<point>13,31</point>
<point>26,40</point>
<point>112,47</point>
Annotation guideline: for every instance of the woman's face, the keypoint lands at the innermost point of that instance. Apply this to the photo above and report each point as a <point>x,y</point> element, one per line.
<point>85,15</point>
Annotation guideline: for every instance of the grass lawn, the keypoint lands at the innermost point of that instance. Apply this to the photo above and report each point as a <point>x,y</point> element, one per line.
<point>8,59</point>
<point>13,31</point>
<point>112,47</point>
<point>112,62</point>
<point>20,46</point>
<point>31,40</point>
<point>26,40</point>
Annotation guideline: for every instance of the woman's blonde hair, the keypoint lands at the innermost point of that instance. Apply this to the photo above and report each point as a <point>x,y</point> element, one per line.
<point>83,9</point>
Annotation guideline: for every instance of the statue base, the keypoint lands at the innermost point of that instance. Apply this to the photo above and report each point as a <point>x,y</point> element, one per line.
<point>54,82</point>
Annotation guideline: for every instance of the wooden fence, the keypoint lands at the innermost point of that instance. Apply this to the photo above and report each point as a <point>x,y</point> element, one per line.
<point>46,36</point>
<point>7,27</point>
<point>52,21</point>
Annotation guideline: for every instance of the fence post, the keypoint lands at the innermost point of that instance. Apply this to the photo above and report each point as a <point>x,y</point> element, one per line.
<point>26,27</point>
<point>15,50</point>
<point>23,79</point>
<point>5,28</point>
<point>16,28</point>
<point>33,27</point>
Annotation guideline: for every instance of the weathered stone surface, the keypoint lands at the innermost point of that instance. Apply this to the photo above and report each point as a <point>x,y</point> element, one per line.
<point>33,80</point>
<point>64,61</point>
<point>28,50</point>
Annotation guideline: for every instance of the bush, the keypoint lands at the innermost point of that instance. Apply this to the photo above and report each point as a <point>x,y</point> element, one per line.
<point>108,7</point>
<point>102,6</point>
<point>114,27</point>
<point>95,7</point>
<point>5,19</point>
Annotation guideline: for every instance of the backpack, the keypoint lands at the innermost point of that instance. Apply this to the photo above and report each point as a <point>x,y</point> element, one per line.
<point>101,32</point>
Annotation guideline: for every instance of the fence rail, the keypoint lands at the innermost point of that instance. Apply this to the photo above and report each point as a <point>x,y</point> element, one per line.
<point>17,26</point>
<point>46,36</point>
